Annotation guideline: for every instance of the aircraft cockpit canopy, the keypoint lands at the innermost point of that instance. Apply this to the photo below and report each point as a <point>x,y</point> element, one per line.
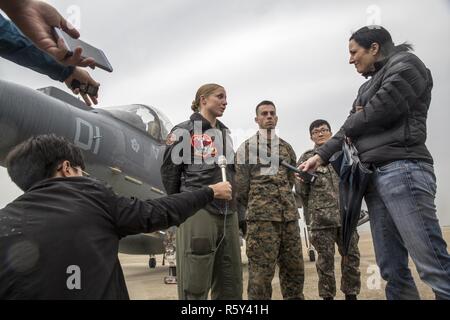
<point>145,118</point>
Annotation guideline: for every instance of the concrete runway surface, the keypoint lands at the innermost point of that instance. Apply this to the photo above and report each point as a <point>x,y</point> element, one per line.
<point>147,284</point>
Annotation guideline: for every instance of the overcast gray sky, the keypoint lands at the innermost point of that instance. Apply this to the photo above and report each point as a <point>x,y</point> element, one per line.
<point>292,52</point>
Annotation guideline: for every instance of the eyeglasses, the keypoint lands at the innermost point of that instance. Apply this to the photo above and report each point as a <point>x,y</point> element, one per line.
<point>322,131</point>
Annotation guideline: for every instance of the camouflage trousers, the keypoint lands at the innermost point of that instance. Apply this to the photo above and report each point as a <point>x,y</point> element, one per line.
<point>324,241</point>
<point>268,244</point>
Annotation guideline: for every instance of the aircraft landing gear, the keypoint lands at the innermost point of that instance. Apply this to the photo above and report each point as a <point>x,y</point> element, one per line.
<point>152,262</point>
<point>312,255</point>
<point>172,277</point>
<point>170,255</point>
<point>309,246</point>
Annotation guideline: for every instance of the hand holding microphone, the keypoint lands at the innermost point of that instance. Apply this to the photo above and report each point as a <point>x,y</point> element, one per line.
<point>300,172</point>
<point>304,175</point>
<point>312,164</point>
<point>222,190</point>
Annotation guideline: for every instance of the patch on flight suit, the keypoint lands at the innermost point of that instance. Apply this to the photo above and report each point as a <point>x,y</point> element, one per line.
<point>171,139</point>
<point>203,146</point>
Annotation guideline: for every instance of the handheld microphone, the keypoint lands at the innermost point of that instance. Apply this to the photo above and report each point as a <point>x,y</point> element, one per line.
<point>222,162</point>
<point>308,177</point>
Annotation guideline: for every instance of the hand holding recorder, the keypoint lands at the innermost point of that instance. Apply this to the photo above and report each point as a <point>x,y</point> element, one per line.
<point>80,82</point>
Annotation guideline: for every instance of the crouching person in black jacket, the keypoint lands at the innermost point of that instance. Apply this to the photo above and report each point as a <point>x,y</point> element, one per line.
<point>66,223</point>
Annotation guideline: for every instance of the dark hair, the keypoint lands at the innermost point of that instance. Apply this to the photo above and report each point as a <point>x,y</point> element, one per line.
<point>265,103</point>
<point>368,35</point>
<point>37,159</point>
<point>317,124</point>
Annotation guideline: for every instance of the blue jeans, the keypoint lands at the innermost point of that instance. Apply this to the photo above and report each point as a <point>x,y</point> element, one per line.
<point>403,219</point>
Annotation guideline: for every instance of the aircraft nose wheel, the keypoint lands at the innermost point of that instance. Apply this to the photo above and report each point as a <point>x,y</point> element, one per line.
<point>312,255</point>
<point>152,262</point>
<point>172,278</point>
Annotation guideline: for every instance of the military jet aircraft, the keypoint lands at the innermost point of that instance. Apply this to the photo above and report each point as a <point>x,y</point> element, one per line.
<point>122,145</point>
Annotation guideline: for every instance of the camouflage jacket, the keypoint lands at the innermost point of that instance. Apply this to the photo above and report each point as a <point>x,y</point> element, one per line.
<point>266,190</point>
<point>320,200</point>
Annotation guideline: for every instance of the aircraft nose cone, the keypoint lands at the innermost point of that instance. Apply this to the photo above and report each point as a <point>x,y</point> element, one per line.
<point>9,133</point>
<point>24,113</point>
<point>9,124</point>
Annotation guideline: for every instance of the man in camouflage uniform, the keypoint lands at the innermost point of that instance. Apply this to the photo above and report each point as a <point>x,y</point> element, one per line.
<point>265,189</point>
<point>321,203</point>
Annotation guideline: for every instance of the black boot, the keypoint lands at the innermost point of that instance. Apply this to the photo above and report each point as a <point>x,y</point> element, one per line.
<point>351,297</point>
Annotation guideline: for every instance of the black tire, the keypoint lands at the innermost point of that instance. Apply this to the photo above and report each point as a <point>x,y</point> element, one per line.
<point>152,263</point>
<point>364,218</point>
<point>312,255</point>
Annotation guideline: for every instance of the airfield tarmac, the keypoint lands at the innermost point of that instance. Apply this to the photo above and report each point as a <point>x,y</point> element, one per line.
<point>147,284</point>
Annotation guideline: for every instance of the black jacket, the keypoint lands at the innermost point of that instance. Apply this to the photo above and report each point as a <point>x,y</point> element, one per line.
<point>392,125</point>
<point>67,222</point>
<point>190,159</point>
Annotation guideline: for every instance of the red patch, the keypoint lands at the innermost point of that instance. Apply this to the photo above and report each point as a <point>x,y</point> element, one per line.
<point>203,146</point>
<point>171,139</point>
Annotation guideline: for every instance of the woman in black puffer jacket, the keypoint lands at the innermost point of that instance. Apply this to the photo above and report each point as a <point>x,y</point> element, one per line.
<point>387,125</point>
